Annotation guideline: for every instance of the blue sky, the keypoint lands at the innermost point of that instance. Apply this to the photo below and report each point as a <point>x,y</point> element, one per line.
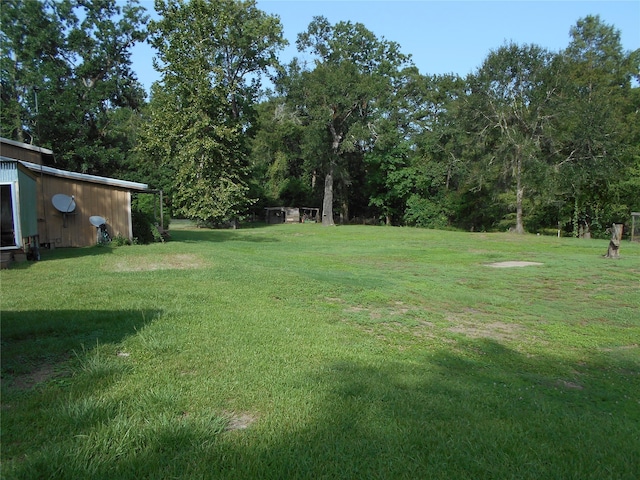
<point>442,36</point>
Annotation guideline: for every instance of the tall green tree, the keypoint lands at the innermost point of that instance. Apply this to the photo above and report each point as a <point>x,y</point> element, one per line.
<point>211,54</point>
<point>32,56</point>
<point>437,161</point>
<point>277,159</point>
<point>510,98</point>
<point>65,71</point>
<point>352,71</point>
<point>592,122</point>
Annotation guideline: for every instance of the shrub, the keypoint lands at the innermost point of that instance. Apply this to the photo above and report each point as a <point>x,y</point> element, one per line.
<point>422,212</point>
<point>120,240</point>
<point>149,205</point>
<point>143,225</point>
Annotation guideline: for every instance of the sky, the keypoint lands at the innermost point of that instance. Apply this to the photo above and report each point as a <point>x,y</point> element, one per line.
<point>442,37</point>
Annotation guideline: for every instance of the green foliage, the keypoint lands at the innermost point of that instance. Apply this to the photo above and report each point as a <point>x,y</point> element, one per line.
<point>509,82</point>
<point>423,212</point>
<point>352,73</point>
<point>66,74</point>
<point>533,139</point>
<point>150,205</point>
<point>120,241</point>
<point>143,227</point>
<point>592,123</point>
<point>202,108</point>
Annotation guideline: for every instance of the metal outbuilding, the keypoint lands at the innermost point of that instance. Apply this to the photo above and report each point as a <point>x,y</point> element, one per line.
<point>90,196</point>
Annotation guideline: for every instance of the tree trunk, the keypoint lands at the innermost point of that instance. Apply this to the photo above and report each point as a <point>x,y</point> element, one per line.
<point>327,201</point>
<point>345,213</point>
<point>614,244</point>
<point>519,195</point>
<point>576,217</point>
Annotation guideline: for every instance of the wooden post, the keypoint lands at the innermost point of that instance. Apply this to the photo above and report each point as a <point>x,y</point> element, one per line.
<point>614,245</point>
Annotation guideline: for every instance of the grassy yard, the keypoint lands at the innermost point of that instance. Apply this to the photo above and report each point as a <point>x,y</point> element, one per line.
<point>298,351</point>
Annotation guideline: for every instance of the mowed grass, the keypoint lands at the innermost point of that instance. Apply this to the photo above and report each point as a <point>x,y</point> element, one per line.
<point>298,351</point>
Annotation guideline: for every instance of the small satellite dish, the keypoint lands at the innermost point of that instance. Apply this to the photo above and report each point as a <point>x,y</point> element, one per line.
<point>97,221</point>
<point>63,203</point>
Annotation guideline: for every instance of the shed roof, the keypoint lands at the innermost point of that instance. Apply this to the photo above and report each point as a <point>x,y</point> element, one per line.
<point>141,187</point>
<point>27,146</point>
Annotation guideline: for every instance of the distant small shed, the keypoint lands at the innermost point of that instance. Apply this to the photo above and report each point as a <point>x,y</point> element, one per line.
<point>309,214</point>
<point>276,215</point>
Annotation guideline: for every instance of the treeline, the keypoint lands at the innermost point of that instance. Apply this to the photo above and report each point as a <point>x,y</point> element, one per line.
<point>533,140</point>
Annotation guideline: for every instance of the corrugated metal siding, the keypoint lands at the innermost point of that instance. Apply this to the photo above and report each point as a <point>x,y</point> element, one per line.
<point>8,171</point>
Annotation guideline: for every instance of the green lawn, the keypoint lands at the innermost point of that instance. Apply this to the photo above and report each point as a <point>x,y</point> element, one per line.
<point>298,351</point>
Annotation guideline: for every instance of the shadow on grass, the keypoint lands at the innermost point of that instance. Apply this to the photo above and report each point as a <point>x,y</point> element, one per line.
<point>485,411</point>
<point>65,253</point>
<point>217,236</point>
<point>192,235</point>
<point>37,344</point>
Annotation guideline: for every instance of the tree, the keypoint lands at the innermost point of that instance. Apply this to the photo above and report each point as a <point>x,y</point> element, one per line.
<point>438,143</point>
<point>32,55</point>
<point>510,96</point>
<point>65,70</point>
<point>276,151</point>
<point>592,123</point>
<point>352,71</point>
<point>210,55</point>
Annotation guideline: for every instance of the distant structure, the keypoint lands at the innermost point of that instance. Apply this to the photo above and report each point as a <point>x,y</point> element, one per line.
<point>275,215</point>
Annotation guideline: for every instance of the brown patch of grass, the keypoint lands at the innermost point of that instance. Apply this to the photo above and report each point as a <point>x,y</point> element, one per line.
<point>512,264</point>
<point>40,374</point>
<point>569,385</point>
<point>334,300</point>
<point>239,421</point>
<point>493,330</point>
<point>183,261</point>
<point>621,347</point>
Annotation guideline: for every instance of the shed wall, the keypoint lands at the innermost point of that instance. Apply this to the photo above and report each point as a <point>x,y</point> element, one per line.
<point>91,199</point>
<point>20,153</point>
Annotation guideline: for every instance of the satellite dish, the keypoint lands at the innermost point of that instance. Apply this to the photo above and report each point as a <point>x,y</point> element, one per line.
<point>97,220</point>
<point>63,203</point>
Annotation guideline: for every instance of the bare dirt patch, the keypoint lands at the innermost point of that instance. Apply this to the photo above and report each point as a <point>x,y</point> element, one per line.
<point>492,330</point>
<point>40,374</point>
<point>569,385</point>
<point>621,347</point>
<point>183,261</point>
<point>239,421</point>
<point>512,264</point>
